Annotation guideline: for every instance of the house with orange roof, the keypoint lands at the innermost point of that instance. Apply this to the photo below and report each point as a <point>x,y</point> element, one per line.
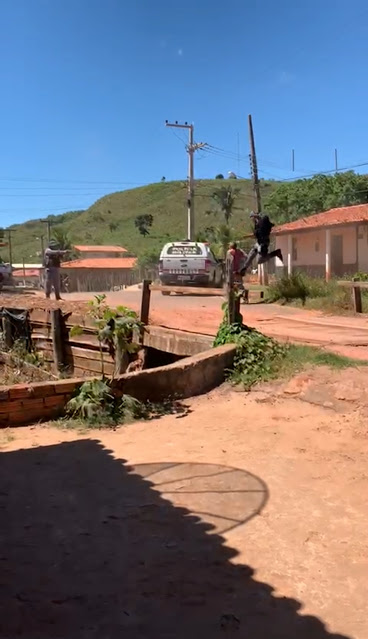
<point>99,269</point>
<point>100,251</point>
<point>329,244</point>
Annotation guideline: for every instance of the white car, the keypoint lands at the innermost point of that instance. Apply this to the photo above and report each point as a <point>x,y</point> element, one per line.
<point>189,264</point>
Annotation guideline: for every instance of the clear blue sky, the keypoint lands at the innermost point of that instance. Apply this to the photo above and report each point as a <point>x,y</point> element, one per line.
<point>86,86</point>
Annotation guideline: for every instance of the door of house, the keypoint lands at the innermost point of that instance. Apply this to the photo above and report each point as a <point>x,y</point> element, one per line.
<point>337,260</point>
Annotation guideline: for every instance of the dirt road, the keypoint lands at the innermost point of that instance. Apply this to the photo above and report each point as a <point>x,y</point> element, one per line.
<point>245,518</point>
<point>345,335</point>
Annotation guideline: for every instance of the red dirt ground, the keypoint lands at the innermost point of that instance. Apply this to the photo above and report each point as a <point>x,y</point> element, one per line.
<point>345,335</point>
<point>245,518</point>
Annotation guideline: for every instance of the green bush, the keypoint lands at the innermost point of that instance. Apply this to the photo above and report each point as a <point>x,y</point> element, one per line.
<point>288,288</point>
<point>360,277</point>
<point>257,356</point>
<point>317,293</point>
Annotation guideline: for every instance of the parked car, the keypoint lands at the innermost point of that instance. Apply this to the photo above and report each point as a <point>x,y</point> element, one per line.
<point>6,277</point>
<point>189,264</point>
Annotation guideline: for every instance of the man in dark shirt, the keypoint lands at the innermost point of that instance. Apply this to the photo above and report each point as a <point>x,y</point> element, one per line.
<point>52,261</point>
<point>262,231</point>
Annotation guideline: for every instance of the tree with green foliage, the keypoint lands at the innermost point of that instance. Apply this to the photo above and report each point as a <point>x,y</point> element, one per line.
<point>149,259</point>
<point>219,176</point>
<point>143,223</point>
<point>65,244</point>
<point>225,199</point>
<point>113,226</point>
<point>293,200</point>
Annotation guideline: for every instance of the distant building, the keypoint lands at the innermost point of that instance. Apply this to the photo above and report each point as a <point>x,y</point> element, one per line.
<point>329,244</point>
<point>99,274</point>
<point>99,251</point>
<point>28,276</point>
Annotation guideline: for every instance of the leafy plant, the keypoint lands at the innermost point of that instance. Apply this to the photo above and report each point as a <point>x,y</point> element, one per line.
<point>114,329</point>
<point>360,277</point>
<point>95,404</point>
<point>257,356</point>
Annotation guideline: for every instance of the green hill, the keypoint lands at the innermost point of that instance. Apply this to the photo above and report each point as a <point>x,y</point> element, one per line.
<point>111,219</point>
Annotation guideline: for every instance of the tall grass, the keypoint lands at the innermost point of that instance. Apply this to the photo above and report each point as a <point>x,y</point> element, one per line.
<point>312,293</point>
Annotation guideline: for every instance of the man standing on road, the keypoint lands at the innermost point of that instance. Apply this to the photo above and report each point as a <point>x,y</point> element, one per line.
<point>52,261</point>
<point>239,260</point>
<point>262,231</point>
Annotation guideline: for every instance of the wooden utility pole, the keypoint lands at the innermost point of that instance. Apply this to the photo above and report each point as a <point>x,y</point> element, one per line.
<point>292,160</point>
<point>41,238</point>
<point>9,232</point>
<point>48,222</point>
<point>254,168</point>
<point>58,339</point>
<point>191,148</point>
<point>336,166</point>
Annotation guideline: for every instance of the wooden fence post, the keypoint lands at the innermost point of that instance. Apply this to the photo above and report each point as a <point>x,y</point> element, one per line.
<point>57,334</point>
<point>357,297</point>
<point>230,293</point>
<point>145,303</point>
<point>8,330</point>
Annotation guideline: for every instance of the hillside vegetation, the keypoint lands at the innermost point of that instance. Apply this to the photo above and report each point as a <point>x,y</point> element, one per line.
<point>110,220</point>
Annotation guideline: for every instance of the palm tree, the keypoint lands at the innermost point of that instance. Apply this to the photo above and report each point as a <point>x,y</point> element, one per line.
<point>65,244</point>
<point>225,198</point>
<point>62,238</point>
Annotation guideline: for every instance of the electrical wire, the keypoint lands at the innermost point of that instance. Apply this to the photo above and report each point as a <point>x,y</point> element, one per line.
<point>58,181</point>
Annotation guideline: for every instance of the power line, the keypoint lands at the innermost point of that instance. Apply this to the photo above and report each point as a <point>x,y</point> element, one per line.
<point>58,181</point>
<point>345,168</point>
<point>49,195</point>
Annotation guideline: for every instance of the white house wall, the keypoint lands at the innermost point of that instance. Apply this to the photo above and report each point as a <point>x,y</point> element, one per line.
<point>349,244</point>
<point>363,248</point>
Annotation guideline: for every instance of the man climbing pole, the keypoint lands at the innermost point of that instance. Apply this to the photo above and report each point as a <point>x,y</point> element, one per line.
<point>262,231</point>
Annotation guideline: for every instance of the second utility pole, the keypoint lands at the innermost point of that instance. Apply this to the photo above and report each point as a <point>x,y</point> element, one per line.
<point>191,148</point>
<point>254,167</point>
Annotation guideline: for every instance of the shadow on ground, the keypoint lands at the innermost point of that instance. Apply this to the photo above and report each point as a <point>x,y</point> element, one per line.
<point>89,549</point>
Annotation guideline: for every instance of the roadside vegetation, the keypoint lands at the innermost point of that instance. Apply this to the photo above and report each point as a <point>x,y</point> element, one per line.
<point>315,293</point>
<point>260,358</point>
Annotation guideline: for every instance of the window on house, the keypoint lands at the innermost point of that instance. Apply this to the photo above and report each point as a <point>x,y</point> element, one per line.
<point>294,249</point>
<point>316,246</point>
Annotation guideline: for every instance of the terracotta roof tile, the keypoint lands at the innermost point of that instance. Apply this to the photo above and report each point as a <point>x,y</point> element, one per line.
<point>28,272</point>
<point>99,248</point>
<point>333,217</point>
<point>102,262</point>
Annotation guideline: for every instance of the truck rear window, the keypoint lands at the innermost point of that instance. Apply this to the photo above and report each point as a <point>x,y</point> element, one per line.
<point>184,250</point>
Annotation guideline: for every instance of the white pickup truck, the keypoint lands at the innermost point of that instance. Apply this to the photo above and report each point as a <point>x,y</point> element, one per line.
<point>6,277</point>
<point>189,264</point>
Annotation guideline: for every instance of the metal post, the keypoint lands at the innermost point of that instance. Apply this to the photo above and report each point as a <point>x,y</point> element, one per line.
<point>191,148</point>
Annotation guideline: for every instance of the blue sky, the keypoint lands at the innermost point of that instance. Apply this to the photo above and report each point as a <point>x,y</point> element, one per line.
<point>86,86</point>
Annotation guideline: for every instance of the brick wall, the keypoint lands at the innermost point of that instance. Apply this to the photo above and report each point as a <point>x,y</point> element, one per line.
<point>29,403</point>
